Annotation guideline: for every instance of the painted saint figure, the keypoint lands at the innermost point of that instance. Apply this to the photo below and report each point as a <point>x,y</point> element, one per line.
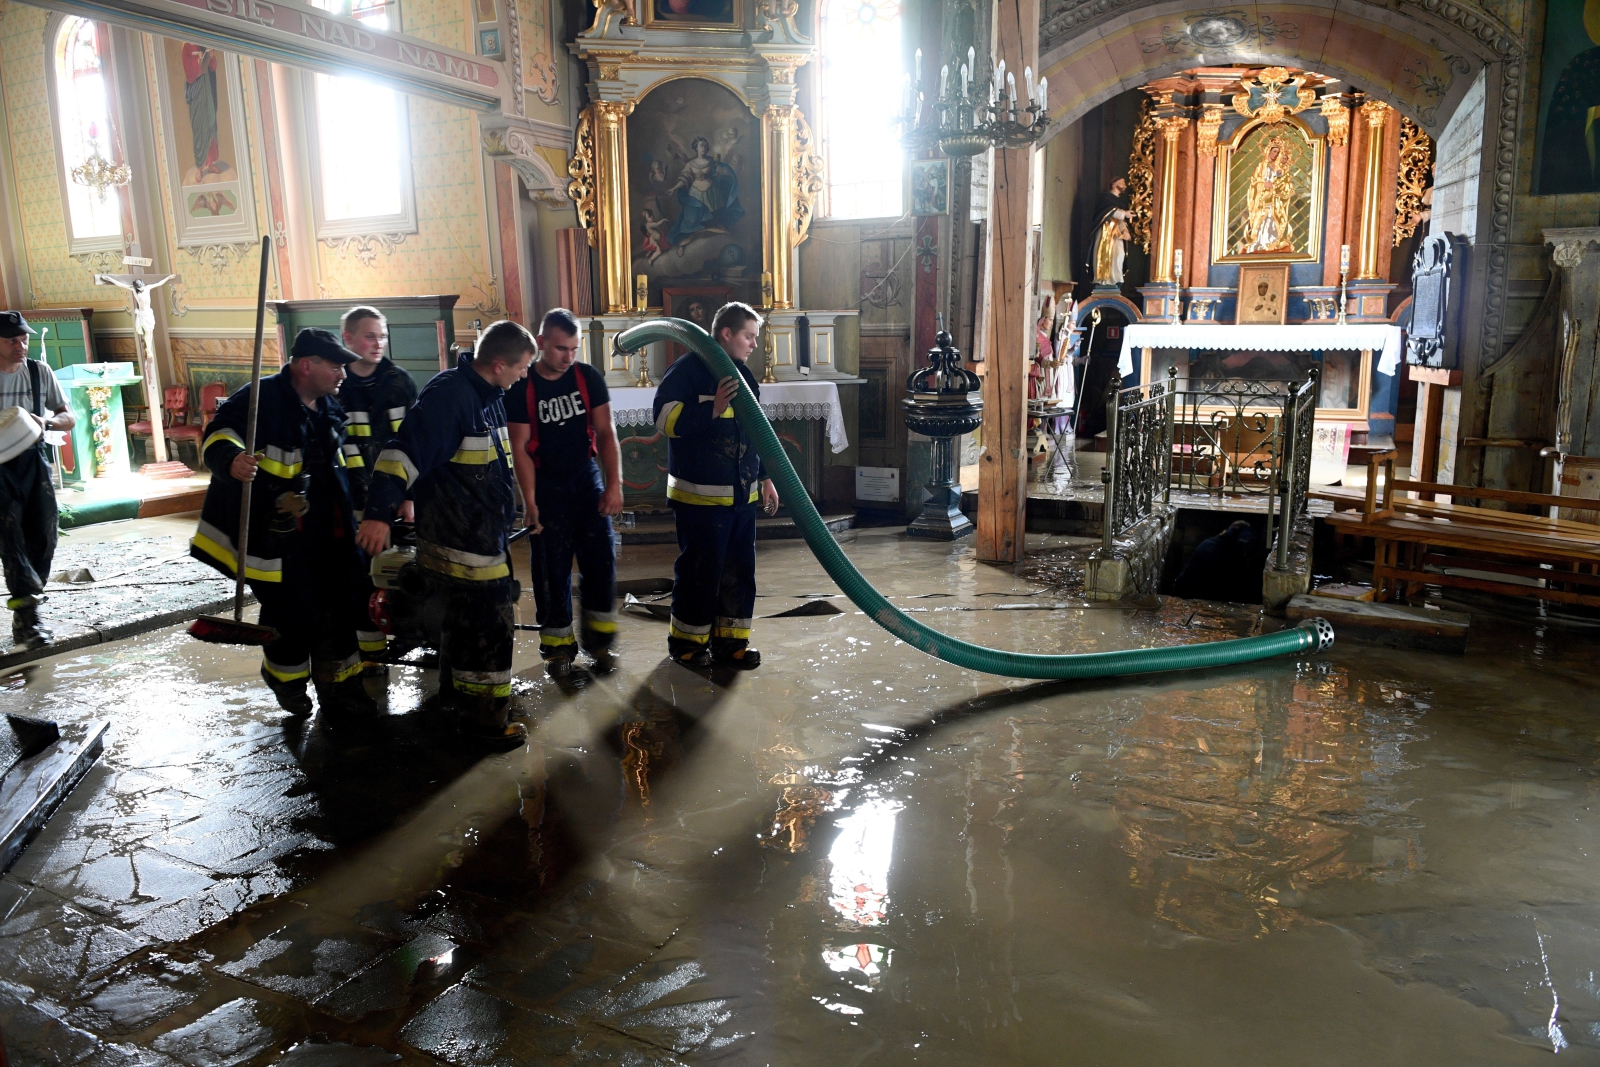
<point>1267,227</point>
<point>708,196</point>
<point>1111,235</point>
<point>200,93</point>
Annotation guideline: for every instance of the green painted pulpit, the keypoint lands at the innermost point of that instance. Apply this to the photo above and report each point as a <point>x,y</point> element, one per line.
<point>98,444</point>
<point>61,336</point>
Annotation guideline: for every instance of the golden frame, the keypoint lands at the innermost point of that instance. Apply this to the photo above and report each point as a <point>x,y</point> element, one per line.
<point>648,16</point>
<point>1220,197</point>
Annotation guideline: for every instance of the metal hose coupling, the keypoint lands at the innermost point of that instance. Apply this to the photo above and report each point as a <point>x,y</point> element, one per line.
<point>914,633</point>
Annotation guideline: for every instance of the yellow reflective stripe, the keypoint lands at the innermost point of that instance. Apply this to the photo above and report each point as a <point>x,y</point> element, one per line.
<point>21,602</point>
<point>480,689</point>
<point>349,668</point>
<point>472,456</point>
<point>280,470</point>
<point>727,412</point>
<point>395,462</point>
<point>358,429</point>
<point>684,497</point>
<point>556,640</point>
<point>286,674</point>
<point>225,555</point>
<point>755,494</point>
<point>352,456</point>
<point>698,634</point>
<point>739,632</point>
<point>223,434</point>
<point>670,413</point>
<point>600,627</point>
<point>461,570</point>
<point>371,642</point>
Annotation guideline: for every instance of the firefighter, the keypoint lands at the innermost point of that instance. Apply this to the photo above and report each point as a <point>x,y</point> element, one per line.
<point>714,481</point>
<point>560,423</point>
<point>301,559</point>
<point>375,396</point>
<point>27,499</point>
<point>453,457</point>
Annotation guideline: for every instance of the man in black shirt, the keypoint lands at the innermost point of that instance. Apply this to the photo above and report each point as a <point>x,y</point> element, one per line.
<point>560,424</point>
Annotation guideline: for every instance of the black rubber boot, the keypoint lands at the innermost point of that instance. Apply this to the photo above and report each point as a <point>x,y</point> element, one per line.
<point>292,696</point>
<point>487,720</point>
<point>742,659</point>
<point>346,700</point>
<point>26,630</point>
<point>696,658</point>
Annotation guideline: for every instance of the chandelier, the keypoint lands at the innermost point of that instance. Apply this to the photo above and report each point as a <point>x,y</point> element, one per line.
<point>974,115</point>
<point>99,173</point>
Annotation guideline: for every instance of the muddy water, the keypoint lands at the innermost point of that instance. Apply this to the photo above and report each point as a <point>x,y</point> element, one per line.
<point>854,855</point>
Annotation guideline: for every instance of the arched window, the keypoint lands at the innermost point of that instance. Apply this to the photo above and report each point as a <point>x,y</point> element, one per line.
<point>361,151</point>
<point>861,100</point>
<point>84,129</point>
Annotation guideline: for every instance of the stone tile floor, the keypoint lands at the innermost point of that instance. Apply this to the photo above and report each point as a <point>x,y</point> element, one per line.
<point>855,855</point>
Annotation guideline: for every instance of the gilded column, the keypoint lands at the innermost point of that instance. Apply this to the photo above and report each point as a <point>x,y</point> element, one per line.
<point>611,202</point>
<point>1375,112</point>
<point>777,200</point>
<point>1167,209</point>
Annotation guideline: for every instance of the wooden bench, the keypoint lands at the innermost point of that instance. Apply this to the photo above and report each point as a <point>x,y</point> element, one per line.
<point>1419,541</point>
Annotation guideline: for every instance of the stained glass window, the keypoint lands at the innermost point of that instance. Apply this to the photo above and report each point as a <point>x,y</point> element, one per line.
<point>861,100</point>
<point>362,145</point>
<point>83,119</point>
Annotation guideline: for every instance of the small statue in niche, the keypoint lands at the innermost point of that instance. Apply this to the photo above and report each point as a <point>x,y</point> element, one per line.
<point>1111,234</point>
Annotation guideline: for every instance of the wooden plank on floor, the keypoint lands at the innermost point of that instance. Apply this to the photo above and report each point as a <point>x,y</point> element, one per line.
<point>1389,625</point>
<point>34,788</point>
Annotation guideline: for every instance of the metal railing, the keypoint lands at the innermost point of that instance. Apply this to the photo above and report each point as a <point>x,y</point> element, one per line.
<point>1138,473</point>
<point>1217,437</point>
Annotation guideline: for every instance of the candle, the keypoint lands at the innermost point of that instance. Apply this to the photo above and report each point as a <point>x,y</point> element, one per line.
<point>964,75</point>
<point>972,58</point>
<point>944,80</point>
<point>999,76</point>
<point>641,291</point>
<point>1044,94</point>
<point>766,289</point>
<point>1344,258</point>
<point>1177,261</point>
<point>919,65</point>
<point>1027,76</point>
<point>1011,90</point>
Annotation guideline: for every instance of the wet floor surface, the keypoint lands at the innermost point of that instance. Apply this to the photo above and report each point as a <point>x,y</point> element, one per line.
<point>854,855</point>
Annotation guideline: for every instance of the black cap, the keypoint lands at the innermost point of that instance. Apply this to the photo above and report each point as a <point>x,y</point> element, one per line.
<point>12,324</point>
<point>316,342</point>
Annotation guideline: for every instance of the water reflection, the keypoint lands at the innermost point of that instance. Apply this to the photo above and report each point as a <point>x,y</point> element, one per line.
<point>859,863</point>
<point>866,959</point>
<point>1235,800</point>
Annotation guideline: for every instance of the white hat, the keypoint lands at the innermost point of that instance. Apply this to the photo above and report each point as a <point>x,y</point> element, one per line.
<point>19,431</point>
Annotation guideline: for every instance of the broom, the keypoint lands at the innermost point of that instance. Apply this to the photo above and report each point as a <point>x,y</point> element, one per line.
<point>218,629</point>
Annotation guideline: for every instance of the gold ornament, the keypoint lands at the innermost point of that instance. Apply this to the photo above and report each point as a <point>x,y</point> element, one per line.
<point>581,171</point>
<point>1209,126</point>
<point>1416,162</point>
<point>1338,117</point>
<point>1141,177</point>
<point>1272,81</point>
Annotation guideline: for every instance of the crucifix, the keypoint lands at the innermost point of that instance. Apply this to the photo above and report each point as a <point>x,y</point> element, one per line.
<point>144,326</point>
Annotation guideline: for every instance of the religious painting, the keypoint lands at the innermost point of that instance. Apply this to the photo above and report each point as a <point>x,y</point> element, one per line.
<point>696,303</point>
<point>1566,159</point>
<point>722,14</point>
<point>930,186</point>
<point>1268,202</point>
<point>694,190</point>
<point>203,135</point>
<point>1263,294</point>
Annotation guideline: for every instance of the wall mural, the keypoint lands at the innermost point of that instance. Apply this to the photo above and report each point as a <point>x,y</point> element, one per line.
<point>694,189</point>
<point>1567,156</point>
<point>203,124</point>
<point>1270,194</point>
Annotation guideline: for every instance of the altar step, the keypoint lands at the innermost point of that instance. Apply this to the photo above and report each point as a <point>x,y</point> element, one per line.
<point>656,526</point>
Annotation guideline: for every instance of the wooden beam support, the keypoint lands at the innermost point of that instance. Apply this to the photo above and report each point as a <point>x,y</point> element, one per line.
<point>1007,300</point>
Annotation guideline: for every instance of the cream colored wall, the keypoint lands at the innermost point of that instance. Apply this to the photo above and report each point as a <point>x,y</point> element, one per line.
<point>454,251</point>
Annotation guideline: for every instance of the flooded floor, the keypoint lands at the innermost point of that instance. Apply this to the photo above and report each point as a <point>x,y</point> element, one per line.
<point>854,855</point>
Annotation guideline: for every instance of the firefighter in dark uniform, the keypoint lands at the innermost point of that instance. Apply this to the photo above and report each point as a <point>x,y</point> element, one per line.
<point>714,483</point>
<point>453,457</point>
<point>301,559</point>
<point>375,396</point>
<point>560,423</point>
<point>28,516</point>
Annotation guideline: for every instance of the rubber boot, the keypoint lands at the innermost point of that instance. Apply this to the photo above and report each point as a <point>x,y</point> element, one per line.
<point>292,696</point>
<point>26,630</point>
<point>740,659</point>
<point>346,700</point>
<point>488,720</point>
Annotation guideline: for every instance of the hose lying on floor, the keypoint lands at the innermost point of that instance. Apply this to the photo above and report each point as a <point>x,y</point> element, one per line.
<point>1314,633</point>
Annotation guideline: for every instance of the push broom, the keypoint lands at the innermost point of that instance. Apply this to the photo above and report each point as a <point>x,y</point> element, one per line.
<point>218,629</point>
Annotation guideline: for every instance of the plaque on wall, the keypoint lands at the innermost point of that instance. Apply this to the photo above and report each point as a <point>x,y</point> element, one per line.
<point>1428,341</point>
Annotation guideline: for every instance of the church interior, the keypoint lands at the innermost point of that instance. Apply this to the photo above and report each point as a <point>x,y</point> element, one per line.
<point>1174,611</point>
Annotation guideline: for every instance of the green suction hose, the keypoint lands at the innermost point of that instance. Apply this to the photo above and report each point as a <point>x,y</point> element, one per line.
<point>1313,634</point>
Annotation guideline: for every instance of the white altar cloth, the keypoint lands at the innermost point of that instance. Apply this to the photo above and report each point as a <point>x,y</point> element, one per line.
<point>631,406</point>
<point>1307,337</point>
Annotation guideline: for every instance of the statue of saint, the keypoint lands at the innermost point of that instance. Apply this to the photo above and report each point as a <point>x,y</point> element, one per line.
<point>1267,227</point>
<point>1111,235</point>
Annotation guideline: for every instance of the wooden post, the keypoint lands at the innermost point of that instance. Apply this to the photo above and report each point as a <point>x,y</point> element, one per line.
<point>1003,469</point>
